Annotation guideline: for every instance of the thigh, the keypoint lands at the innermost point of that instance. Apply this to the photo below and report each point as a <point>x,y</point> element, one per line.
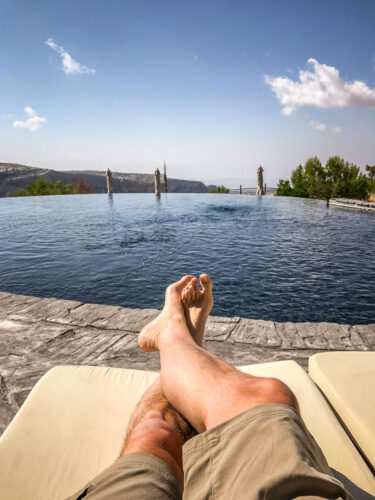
<point>265,452</point>
<point>137,476</point>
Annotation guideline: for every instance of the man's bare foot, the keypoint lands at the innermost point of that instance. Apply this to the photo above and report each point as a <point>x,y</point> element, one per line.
<point>173,310</point>
<point>197,305</point>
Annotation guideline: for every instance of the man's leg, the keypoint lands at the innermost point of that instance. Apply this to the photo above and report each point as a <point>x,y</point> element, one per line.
<point>202,387</point>
<point>155,426</point>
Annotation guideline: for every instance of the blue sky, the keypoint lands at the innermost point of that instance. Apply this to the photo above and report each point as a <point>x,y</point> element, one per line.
<point>213,88</point>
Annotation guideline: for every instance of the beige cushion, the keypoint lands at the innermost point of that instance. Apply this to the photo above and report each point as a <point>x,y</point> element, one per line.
<point>348,381</point>
<point>73,425</point>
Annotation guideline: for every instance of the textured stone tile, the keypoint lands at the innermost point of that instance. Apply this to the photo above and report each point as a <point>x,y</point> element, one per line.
<point>28,338</point>
<point>85,314</point>
<point>43,309</point>
<point>70,346</point>
<point>365,333</point>
<point>337,336</point>
<point>9,325</point>
<point>130,320</point>
<point>290,336</point>
<point>257,332</point>
<point>219,328</point>
<point>12,303</point>
<point>121,344</point>
<point>45,332</point>
<point>4,296</point>
<point>312,337</point>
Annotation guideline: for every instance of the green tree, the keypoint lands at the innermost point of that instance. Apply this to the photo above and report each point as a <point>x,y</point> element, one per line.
<point>284,188</point>
<point>346,179</point>
<point>43,187</point>
<point>300,182</point>
<point>337,179</point>
<point>316,178</point>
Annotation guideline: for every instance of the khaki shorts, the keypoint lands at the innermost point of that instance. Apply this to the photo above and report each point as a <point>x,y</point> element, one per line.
<point>263,453</point>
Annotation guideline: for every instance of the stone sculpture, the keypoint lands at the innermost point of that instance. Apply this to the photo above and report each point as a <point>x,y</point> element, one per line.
<point>109,182</point>
<point>157,183</point>
<point>260,190</point>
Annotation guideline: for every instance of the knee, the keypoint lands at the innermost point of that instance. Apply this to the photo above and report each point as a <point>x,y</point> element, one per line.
<point>276,391</point>
<point>269,390</point>
<point>154,429</point>
<point>155,436</point>
<point>153,432</point>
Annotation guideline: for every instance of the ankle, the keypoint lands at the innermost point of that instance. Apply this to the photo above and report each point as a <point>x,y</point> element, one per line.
<point>174,335</point>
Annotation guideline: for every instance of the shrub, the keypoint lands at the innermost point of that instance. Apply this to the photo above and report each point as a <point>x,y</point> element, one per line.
<point>220,189</point>
<point>42,187</point>
<point>82,187</point>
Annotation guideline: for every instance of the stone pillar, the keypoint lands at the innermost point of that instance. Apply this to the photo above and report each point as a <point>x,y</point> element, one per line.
<point>260,180</point>
<point>165,179</point>
<point>265,189</point>
<point>157,183</point>
<point>240,188</point>
<point>109,182</point>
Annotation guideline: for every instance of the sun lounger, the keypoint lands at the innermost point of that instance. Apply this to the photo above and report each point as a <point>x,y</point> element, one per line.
<point>347,379</point>
<point>73,425</point>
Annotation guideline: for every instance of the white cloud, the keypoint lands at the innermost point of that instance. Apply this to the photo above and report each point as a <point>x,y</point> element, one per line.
<point>33,123</point>
<point>322,87</point>
<point>322,127</point>
<point>69,65</point>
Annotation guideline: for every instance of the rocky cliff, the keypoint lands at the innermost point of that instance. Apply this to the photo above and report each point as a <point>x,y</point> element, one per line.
<point>14,177</point>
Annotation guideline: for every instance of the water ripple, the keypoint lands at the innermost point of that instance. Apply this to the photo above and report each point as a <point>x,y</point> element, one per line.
<point>273,258</point>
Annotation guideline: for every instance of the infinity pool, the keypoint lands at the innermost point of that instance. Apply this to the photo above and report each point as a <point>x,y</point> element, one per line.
<point>281,259</point>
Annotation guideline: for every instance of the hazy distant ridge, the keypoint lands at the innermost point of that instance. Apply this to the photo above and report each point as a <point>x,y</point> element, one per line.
<point>14,177</point>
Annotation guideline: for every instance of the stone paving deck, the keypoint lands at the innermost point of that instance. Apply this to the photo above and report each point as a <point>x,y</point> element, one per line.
<point>39,333</point>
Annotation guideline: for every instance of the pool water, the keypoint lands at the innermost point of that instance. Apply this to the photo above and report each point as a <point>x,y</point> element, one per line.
<point>274,258</point>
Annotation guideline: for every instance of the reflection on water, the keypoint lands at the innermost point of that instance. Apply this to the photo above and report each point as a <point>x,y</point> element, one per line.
<point>110,199</point>
<point>282,259</point>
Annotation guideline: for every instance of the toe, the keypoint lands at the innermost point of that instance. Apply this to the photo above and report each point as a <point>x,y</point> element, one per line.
<point>186,295</point>
<point>206,282</point>
<point>191,292</point>
<point>196,289</point>
<point>180,285</point>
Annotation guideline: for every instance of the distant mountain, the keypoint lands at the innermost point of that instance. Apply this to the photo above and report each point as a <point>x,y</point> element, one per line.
<point>14,177</point>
